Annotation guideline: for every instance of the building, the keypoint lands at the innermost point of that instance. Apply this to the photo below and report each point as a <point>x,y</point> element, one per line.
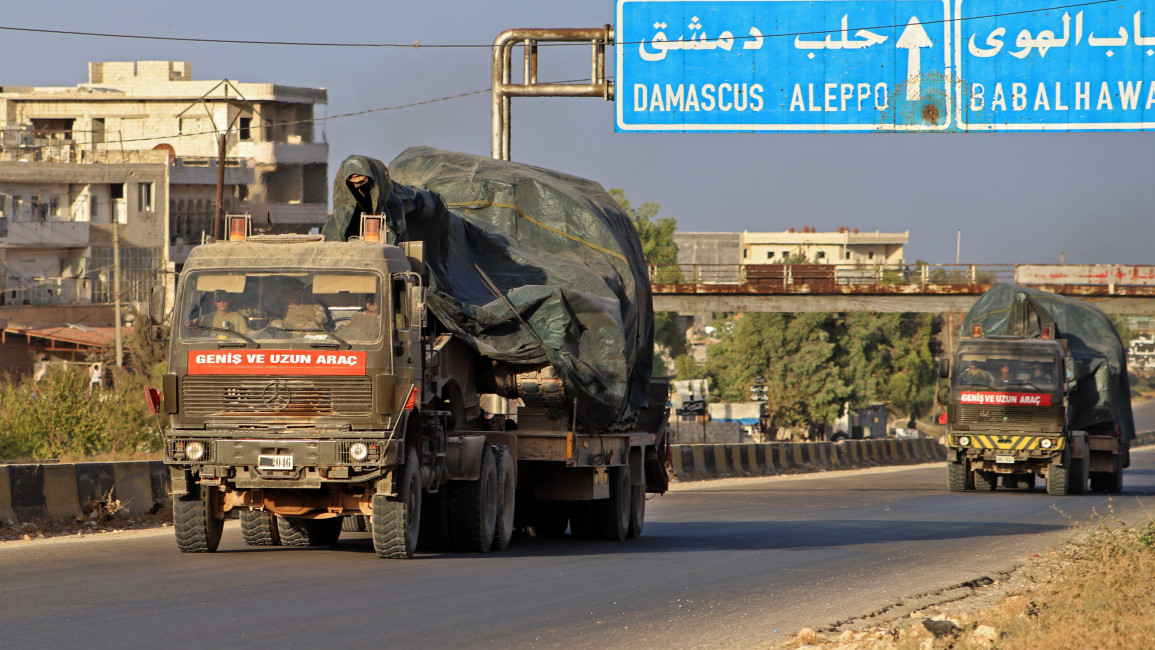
<point>132,155</point>
<point>846,247</point>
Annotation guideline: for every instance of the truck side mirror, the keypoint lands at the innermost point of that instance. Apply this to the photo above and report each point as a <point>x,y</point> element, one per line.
<point>156,302</point>
<point>944,367</point>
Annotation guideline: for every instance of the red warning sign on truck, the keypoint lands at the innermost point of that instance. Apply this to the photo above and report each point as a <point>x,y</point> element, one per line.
<point>1005,399</point>
<point>275,362</point>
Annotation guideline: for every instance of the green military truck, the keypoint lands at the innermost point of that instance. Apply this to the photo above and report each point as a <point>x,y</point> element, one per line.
<point>418,371</point>
<point>1038,388</point>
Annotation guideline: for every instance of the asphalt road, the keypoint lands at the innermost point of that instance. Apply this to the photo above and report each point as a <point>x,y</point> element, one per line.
<point>734,563</point>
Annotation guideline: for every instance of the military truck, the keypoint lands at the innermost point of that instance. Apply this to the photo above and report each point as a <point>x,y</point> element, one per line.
<point>1038,388</point>
<point>350,381</point>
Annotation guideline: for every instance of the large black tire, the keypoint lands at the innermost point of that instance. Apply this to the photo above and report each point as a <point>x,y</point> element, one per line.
<point>506,466</point>
<point>353,524</point>
<point>434,522</point>
<point>294,531</point>
<point>1057,479</point>
<point>956,476</point>
<point>473,508</point>
<point>297,531</point>
<point>1027,481</point>
<point>637,509</point>
<point>396,521</point>
<point>985,480</point>
<point>612,515</point>
<point>1078,474</point>
<point>1115,478</point>
<point>259,528</point>
<point>197,530</point>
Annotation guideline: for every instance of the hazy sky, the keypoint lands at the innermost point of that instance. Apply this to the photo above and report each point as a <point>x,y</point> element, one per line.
<point>1016,197</point>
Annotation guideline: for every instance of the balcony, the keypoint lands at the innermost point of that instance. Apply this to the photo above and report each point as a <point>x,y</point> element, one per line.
<point>47,234</point>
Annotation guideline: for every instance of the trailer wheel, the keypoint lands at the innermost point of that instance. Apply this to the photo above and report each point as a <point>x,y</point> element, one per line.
<point>259,528</point>
<point>985,480</point>
<point>505,464</point>
<point>1115,478</point>
<point>353,524</point>
<point>197,529</point>
<point>956,476</point>
<point>396,522</point>
<point>612,515</point>
<point>637,510</point>
<point>473,508</point>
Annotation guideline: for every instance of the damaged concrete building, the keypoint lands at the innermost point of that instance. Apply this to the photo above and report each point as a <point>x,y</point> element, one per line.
<point>132,154</point>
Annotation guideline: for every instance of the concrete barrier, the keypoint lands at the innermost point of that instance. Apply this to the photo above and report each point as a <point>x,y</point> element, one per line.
<point>702,461</point>
<point>62,491</point>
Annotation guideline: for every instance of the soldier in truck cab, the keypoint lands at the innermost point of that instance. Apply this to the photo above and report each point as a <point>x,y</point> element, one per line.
<point>974,375</point>
<point>302,313</point>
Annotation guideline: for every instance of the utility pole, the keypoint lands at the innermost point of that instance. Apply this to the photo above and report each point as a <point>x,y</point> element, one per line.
<point>218,220</point>
<point>116,288</point>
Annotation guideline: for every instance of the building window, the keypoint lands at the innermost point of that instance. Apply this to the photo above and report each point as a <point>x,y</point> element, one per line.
<point>820,255</point>
<point>847,254</point>
<point>770,255</point>
<point>870,255</point>
<point>745,253</point>
<point>245,129</point>
<point>144,196</point>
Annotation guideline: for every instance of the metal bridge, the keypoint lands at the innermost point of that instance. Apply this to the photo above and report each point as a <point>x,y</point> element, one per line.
<point>937,288</point>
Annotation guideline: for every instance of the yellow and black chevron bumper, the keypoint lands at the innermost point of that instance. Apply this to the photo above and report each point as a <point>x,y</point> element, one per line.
<point>1004,442</point>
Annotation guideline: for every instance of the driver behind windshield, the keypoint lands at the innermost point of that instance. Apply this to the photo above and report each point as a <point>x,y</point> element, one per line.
<point>222,316</point>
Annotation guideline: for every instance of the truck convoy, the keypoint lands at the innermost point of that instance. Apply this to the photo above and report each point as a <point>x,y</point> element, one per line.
<point>463,351</point>
<point>1038,388</point>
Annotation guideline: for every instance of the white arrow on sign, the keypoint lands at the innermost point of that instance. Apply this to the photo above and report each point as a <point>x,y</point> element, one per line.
<point>913,39</point>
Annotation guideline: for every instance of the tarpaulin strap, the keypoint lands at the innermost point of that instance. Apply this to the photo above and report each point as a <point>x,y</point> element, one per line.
<point>523,215</point>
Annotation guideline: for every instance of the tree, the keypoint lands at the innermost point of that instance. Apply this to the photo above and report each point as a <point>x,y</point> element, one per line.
<point>658,247</point>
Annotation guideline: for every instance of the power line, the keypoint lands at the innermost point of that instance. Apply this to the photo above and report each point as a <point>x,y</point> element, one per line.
<point>419,45</point>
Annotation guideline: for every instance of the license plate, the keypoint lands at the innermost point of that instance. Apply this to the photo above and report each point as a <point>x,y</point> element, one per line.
<point>1004,459</point>
<point>275,462</point>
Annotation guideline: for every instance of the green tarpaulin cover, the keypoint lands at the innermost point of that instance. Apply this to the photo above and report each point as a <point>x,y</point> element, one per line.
<point>557,247</point>
<point>1102,395</point>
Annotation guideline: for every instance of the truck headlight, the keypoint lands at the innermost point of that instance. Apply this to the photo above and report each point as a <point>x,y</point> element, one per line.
<point>964,441</point>
<point>1046,443</point>
<point>194,450</point>
<point>358,451</point>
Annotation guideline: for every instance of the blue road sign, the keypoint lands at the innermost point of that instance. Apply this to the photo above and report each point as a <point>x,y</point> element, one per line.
<point>1063,66</point>
<point>884,65</point>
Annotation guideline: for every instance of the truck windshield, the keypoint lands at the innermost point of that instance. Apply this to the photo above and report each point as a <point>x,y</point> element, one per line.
<point>251,307</point>
<point>1007,372</point>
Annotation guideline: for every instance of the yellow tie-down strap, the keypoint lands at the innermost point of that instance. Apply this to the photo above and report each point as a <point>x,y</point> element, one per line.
<point>1013,443</point>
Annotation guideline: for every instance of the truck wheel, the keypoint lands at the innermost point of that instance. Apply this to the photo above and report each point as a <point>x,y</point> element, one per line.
<point>259,528</point>
<point>397,523</point>
<point>1057,479</point>
<point>473,508</point>
<point>1078,474</point>
<point>434,534</point>
<point>1027,481</point>
<point>325,532</point>
<point>353,524</point>
<point>197,530</point>
<point>293,531</point>
<point>505,465</point>
<point>985,480</point>
<point>956,476</point>
<point>612,515</point>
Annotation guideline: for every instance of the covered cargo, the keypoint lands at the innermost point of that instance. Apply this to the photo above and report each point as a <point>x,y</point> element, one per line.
<point>526,265</point>
<point>1101,398</point>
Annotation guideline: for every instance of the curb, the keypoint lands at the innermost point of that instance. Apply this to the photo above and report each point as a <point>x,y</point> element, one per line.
<point>696,462</point>
<point>61,491</point>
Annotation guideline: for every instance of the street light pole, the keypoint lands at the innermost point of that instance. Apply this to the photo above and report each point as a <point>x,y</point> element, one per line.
<point>958,246</point>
